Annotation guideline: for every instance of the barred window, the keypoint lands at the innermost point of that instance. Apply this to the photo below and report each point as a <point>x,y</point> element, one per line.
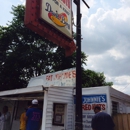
<point>114,108</point>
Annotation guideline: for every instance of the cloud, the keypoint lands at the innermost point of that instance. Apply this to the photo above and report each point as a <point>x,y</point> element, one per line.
<point>120,81</point>
<point>106,39</point>
<point>116,54</point>
<point>7,5</point>
<point>84,8</point>
<point>105,29</point>
<point>109,64</point>
<point>125,3</point>
<point>22,1</point>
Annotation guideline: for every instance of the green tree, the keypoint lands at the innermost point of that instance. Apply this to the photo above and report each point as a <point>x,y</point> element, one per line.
<point>93,79</point>
<point>24,54</point>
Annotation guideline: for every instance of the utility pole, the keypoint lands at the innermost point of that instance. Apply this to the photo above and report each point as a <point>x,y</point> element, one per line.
<point>78,115</point>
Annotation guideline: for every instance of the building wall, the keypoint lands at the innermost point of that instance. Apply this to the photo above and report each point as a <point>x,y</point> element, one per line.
<point>58,95</point>
<point>122,99</point>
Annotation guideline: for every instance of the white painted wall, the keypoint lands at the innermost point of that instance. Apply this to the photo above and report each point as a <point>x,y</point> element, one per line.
<point>112,95</point>
<point>59,95</point>
<point>122,99</point>
<point>99,90</point>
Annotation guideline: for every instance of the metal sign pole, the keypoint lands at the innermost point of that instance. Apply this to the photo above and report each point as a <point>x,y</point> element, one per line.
<point>78,115</point>
<point>78,121</point>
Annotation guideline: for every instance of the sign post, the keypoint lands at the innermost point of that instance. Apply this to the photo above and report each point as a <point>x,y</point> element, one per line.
<point>78,116</point>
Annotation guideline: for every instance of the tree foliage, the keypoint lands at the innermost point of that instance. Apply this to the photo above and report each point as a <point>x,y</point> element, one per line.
<point>25,54</point>
<point>93,79</point>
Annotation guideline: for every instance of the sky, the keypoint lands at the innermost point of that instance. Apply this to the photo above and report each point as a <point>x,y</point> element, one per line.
<point>106,37</point>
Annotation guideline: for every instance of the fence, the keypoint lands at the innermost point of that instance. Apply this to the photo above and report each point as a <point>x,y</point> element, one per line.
<point>122,121</point>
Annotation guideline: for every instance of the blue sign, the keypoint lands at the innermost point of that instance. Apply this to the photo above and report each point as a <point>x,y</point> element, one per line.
<point>87,99</point>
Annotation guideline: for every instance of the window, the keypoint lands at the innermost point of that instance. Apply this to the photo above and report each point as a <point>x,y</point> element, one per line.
<point>114,108</point>
<point>58,114</point>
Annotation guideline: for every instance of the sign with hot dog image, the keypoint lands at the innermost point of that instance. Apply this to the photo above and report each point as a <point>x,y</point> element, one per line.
<point>58,13</point>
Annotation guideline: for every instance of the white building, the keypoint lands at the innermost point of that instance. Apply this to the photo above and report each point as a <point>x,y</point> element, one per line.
<point>56,92</point>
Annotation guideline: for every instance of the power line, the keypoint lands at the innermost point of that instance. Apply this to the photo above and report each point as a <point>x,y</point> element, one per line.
<point>125,87</point>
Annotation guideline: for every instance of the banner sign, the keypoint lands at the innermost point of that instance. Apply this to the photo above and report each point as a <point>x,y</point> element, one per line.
<point>58,13</point>
<point>88,104</point>
<point>60,78</point>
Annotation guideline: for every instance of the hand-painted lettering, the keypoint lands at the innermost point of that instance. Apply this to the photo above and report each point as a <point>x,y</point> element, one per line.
<point>91,106</point>
<point>67,3</point>
<point>49,77</point>
<point>73,74</point>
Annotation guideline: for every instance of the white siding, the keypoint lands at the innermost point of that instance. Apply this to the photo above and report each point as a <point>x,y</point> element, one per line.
<point>122,99</point>
<point>58,95</point>
<point>119,95</point>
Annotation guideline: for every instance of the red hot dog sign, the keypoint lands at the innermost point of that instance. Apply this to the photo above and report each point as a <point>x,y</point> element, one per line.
<point>58,14</point>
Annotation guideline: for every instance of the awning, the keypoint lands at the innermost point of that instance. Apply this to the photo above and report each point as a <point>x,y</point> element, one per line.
<point>22,98</point>
<point>28,93</point>
<point>22,91</point>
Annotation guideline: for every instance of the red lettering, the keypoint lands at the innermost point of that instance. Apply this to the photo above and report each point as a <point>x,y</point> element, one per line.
<point>86,107</point>
<point>93,105</point>
<point>58,76</point>
<point>89,107</point>
<point>83,107</point>
<point>64,1</point>
<point>49,77</point>
<point>67,75</point>
<point>103,106</point>
<point>99,105</point>
<point>73,74</point>
<point>67,3</point>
